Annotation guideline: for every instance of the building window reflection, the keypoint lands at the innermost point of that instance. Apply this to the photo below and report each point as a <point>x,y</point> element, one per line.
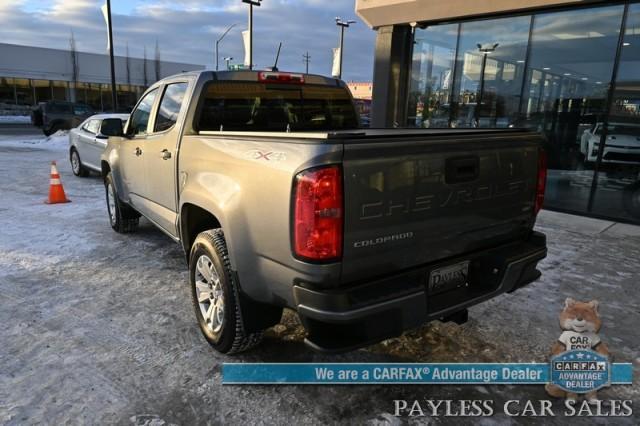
<point>550,72</point>
<point>617,192</point>
<point>432,76</point>
<point>491,61</point>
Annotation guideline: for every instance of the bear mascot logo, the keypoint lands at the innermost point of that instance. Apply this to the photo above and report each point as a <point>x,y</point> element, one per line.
<point>580,323</point>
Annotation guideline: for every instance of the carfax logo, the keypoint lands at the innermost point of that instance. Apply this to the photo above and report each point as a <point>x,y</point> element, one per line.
<point>580,371</point>
<point>580,360</point>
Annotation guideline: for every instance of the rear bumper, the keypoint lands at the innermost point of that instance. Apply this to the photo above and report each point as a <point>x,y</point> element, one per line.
<point>348,318</point>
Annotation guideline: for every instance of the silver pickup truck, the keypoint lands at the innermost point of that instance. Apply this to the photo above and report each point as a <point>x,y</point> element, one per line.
<point>280,200</point>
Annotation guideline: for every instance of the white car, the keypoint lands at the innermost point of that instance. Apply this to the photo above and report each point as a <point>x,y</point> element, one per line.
<point>86,143</point>
<point>622,145</point>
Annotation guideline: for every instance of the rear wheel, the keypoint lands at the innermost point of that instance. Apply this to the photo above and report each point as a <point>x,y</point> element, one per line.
<point>54,128</point>
<point>123,219</point>
<point>76,165</point>
<point>215,295</point>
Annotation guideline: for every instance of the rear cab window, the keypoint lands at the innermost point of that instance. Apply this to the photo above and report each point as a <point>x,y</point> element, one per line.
<point>277,107</point>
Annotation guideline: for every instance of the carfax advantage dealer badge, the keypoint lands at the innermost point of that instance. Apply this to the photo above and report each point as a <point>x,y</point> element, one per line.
<point>580,371</point>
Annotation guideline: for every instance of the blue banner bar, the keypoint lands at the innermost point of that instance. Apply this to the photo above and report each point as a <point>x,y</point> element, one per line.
<point>442,374</point>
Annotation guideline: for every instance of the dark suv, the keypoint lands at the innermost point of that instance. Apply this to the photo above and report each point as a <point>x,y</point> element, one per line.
<point>52,116</point>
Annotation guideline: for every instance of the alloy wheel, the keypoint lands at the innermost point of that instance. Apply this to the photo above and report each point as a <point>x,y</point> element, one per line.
<point>209,294</point>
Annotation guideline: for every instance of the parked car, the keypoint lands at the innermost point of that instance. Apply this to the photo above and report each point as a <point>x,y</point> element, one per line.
<point>279,200</point>
<point>86,143</point>
<point>52,116</point>
<point>621,147</point>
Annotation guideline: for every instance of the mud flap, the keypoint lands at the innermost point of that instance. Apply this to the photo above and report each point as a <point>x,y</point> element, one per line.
<point>257,316</point>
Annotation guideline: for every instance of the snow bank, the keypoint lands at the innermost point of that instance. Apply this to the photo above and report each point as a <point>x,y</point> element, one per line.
<point>59,140</point>
<point>15,119</point>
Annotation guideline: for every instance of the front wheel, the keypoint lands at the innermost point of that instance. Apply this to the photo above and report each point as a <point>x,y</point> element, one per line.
<point>123,219</point>
<point>215,295</point>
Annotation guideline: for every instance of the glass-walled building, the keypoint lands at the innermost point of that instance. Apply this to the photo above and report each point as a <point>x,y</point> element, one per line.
<point>571,72</point>
<point>29,75</point>
<point>28,92</point>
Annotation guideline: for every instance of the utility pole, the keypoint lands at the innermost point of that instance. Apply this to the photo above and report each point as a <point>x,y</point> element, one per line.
<point>306,58</point>
<point>251,3</point>
<point>342,24</point>
<point>114,97</point>
<point>220,39</point>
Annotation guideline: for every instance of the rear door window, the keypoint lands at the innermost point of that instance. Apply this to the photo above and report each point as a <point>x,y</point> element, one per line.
<point>59,108</point>
<point>92,126</point>
<point>80,110</point>
<point>170,105</point>
<point>253,106</point>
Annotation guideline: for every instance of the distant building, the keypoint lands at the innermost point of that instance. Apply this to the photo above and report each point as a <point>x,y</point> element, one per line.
<point>361,90</point>
<point>29,75</point>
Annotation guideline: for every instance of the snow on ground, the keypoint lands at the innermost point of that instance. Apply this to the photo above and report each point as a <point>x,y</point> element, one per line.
<point>98,327</point>
<point>15,119</point>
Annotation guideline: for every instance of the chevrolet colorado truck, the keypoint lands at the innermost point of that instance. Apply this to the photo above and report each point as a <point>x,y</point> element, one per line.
<point>280,200</point>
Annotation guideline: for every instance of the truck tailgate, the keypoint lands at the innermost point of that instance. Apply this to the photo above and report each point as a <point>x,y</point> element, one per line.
<point>417,199</point>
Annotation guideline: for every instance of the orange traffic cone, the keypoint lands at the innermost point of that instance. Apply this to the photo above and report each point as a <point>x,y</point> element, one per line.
<point>56,191</point>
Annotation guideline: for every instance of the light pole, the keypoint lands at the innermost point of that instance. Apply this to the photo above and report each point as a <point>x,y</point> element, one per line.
<point>485,50</point>
<point>114,97</point>
<point>251,3</point>
<point>220,39</point>
<point>228,59</point>
<point>342,24</point>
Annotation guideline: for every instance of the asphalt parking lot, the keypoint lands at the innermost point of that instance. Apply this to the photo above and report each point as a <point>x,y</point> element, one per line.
<point>99,328</point>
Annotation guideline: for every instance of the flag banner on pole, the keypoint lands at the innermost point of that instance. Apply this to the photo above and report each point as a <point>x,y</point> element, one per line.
<point>335,72</point>
<point>434,373</point>
<point>245,39</point>
<point>105,14</point>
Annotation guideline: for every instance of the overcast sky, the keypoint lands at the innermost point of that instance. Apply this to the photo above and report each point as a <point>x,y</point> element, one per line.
<point>186,30</point>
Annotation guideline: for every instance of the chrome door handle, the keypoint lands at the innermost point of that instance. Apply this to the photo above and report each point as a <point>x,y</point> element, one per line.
<point>138,152</point>
<point>166,154</point>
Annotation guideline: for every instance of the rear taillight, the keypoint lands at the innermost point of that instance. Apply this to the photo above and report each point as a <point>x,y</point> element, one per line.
<point>541,182</point>
<point>317,214</point>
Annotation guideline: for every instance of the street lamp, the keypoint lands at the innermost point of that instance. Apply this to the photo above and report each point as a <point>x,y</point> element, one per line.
<point>251,3</point>
<point>107,12</point>
<point>485,50</point>
<point>228,59</point>
<point>220,39</point>
<point>342,24</point>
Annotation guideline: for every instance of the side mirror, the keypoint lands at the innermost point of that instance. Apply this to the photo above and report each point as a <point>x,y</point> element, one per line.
<point>111,127</point>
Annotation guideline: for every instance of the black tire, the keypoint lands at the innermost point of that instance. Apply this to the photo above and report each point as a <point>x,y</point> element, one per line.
<point>124,219</point>
<point>231,338</point>
<point>54,128</point>
<point>47,132</point>
<point>77,168</point>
